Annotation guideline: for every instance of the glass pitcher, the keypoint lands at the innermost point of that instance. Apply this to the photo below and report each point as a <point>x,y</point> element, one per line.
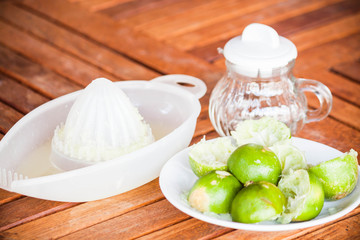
<point>259,82</point>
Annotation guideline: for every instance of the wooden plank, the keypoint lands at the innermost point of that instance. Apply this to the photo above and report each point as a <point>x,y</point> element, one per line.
<point>190,229</point>
<point>343,224</point>
<point>349,70</point>
<point>137,20</point>
<point>217,34</point>
<point>6,196</point>
<point>9,117</point>
<point>154,54</point>
<point>85,215</point>
<point>133,224</point>
<point>346,229</point>
<point>14,213</point>
<point>303,40</point>
<point>34,75</point>
<point>127,9</point>
<point>19,96</point>
<point>330,32</point>
<point>201,16</point>
<point>346,112</point>
<point>338,136</point>
<point>316,18</point>
<point>77,45</point>
<point>53,58</point>
<point>97,5</point>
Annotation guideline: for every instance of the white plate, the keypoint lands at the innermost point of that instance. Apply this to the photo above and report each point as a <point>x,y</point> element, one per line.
<point>177,178</point>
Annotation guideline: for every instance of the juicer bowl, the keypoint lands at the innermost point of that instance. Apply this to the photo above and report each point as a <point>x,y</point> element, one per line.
<point>167,107</point>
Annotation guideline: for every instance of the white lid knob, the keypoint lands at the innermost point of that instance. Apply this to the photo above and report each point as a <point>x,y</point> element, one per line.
<point>259,50</point>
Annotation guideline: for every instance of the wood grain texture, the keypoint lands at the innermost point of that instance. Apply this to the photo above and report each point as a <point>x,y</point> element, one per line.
<point>19,96</point>
<point>50,48</point>
<point>52,58</point>
<point>9,117</point>
<point>190,229</point>
<point>75,44</point>
<point>35,208</point>
<point>34,75</point>
<point>350,70</point>
<point>85,215</point>
<point>6,196</point>
<point>134,224</point>
<point>219,32</point>
<point>337,226</point>
<point>153,54</point>
<point>312,19</point>
<point>201,16</point>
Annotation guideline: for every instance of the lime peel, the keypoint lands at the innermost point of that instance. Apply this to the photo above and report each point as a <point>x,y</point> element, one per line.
<point>265,131</point>
<point>338,175</point>
<point>305,196</point>
<point>214,192</point>
<point>207,156</point>
<point>259,201</point>
<point>295,186</point>
<point>290,157</point>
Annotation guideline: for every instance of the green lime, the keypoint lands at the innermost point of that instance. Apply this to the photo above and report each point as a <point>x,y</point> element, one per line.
<point>290,157</point>
<point>259,201</point>
<point>214,192</point>
<point>207,156</point>
<point>339,175</point>
<point>265,131</point>
<point>305,196</point>
<point>253,162</point>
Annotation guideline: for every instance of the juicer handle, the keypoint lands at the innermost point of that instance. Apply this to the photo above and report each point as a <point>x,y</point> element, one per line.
<point>324,96</point>
<point>189,83</point>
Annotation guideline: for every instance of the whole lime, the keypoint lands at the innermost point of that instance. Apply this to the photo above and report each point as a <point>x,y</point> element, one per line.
<point>214,192</point>
<point>253,162</point>
<point>256,202</point>
<point>305,196</point>
<point>339,175</point>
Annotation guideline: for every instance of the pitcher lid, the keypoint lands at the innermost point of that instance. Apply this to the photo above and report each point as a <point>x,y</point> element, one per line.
<point>259,50</point>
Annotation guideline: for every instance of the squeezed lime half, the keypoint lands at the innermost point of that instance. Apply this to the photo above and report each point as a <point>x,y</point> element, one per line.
<point>214,192</point>
<point>207,156</point>
<point>339,175</point>
<point>265,131</point>
<point>305,196</point>
<point>290,157</point>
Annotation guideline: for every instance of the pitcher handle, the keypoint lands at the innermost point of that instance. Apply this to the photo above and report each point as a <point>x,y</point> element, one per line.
<point>324,96</point>
<point>192,84</point>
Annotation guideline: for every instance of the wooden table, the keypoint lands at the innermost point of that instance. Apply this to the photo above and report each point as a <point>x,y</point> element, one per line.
<point>50,48</point>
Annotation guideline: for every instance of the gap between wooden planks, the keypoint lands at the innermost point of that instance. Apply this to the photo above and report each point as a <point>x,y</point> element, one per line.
<point>350,70</point>
<point>18,96</point>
